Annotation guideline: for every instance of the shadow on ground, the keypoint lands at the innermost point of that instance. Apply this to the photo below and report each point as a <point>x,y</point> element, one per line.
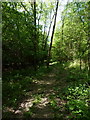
<point>41,97</point>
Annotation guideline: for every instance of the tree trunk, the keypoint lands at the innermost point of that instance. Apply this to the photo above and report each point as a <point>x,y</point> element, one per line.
<point>49,52</point>
<point>44,48</point>
<point>35,42</point>
<point>62,29</point>
<point>80,56</point>
<point>39,17</point>
<point>80,64</point>
<point>35,38</point>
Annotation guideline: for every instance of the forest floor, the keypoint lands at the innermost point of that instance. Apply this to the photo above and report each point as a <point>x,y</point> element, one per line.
<point>45,91</point>
<point>44,97</point>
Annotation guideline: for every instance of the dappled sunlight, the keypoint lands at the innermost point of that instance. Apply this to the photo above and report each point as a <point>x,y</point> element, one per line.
<point>13,111</point>
<point>53,63</point>
<point>41,82</point>
<point>38,97</point>
<point>43,102</point>
<point>46,60</point>
<point>26,105</point>
<point>45,80</point>
<point>10,109</point>
<point>45,98</point>
<point>60,102</point>
<point>41,107</point>
<point>23,107</point>
<point>18,112</point>
<point>76,63</point>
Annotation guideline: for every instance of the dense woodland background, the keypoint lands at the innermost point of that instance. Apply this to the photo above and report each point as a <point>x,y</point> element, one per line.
<point>46,58</point>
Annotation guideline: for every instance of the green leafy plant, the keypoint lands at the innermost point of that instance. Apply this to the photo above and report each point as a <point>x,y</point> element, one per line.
<point>78,101</point>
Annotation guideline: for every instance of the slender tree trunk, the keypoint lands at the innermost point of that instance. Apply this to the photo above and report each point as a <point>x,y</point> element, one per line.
<point>39,17</point>
<point>35,38</point>
<point>35,42</point>
<point>80,64</point>
<point>49,52</point>
<point>80,58</point>
<point>62,29</point>
<point>44,33</point>
<point>48,33</point>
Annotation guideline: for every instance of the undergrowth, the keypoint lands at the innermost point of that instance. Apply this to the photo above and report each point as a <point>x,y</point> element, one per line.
<point>74,95</point>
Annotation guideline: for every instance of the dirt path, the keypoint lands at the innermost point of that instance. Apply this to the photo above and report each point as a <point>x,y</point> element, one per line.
<point>40,97</point>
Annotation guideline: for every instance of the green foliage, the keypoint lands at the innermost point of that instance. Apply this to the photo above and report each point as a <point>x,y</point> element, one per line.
<point>74,74</point>
<point>76,93</point>
<point>78,101</point>
<point>18,41</point>
<point>14,90</point>
<point>27,114</point>
<point>71,37</point>
<point>25,50</point>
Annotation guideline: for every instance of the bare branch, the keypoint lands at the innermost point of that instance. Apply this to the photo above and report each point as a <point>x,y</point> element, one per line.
<point>24,7</point>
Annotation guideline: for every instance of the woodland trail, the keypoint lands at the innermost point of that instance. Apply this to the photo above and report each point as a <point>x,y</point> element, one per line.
<point>43,92</point>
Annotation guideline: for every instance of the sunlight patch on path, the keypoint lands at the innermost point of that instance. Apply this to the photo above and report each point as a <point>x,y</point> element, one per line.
<point>43,82</point>
<point>26,105</point>
<point>10,109</point>
<point>43,102</point>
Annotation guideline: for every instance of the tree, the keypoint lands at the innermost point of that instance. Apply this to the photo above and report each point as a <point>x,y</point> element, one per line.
<point>74,34</point>
<point>49,51</point>
<point>20,36</point>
